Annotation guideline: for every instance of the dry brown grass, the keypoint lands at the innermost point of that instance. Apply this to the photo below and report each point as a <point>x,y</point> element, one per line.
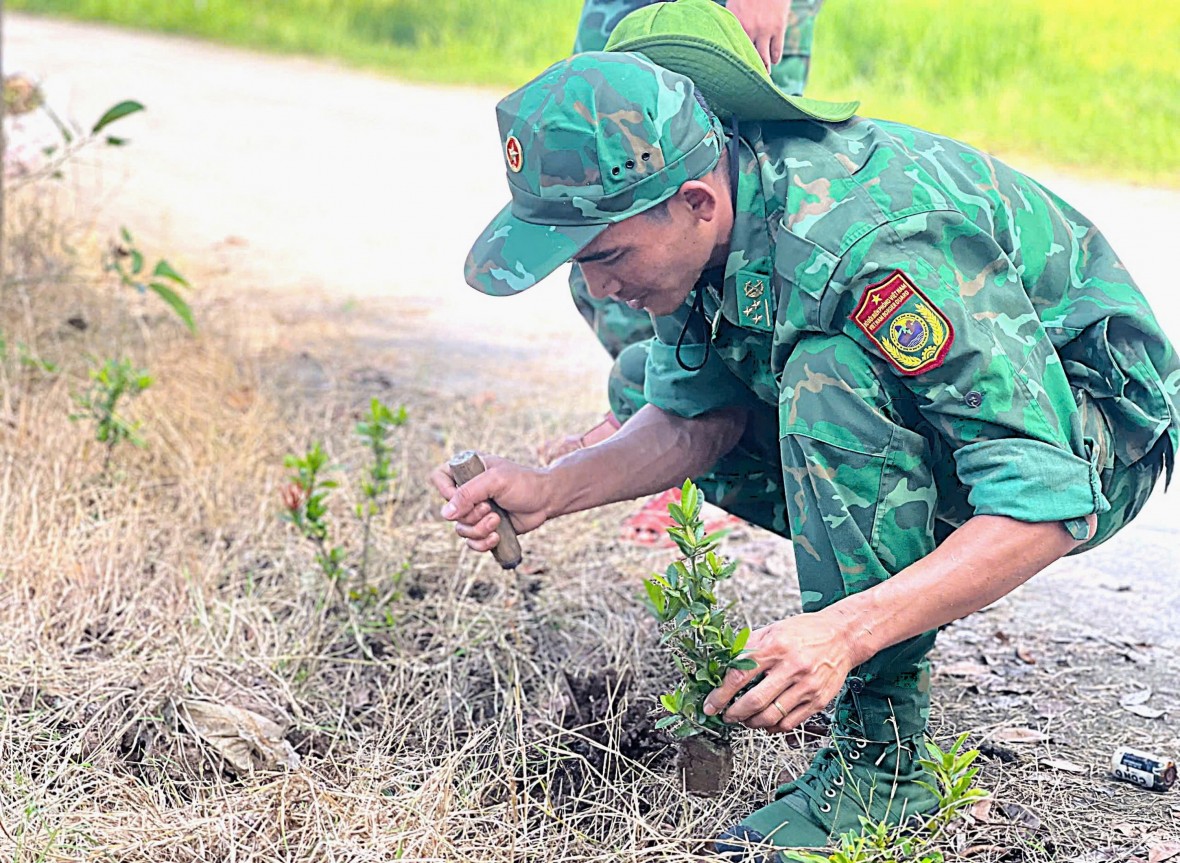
<point>471,715</point>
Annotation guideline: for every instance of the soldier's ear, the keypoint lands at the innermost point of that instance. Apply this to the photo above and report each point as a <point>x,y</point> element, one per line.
<point>700,199</point>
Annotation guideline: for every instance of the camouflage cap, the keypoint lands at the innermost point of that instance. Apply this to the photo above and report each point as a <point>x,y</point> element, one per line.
<point>703,39</point>
<point>593,140</point>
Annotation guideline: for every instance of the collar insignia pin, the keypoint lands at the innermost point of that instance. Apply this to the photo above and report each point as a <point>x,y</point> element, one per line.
<point>755,308</point>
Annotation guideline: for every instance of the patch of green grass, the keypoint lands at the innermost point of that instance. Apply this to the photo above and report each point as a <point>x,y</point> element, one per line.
<point>1080,83</point>
<point>492,42</point>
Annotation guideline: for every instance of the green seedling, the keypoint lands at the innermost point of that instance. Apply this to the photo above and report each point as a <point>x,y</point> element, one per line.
<point>23,96</point>
<point>305,503</point>
<point>954,783</point>
<point>955,780</point>
<point>99,404</point>
<point>704,645</point>
<point>32,362</point>
<point>374,429</point>
<point>129,266</point>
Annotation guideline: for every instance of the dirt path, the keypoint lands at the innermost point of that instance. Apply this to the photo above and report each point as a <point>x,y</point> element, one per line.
<point>303,179</point>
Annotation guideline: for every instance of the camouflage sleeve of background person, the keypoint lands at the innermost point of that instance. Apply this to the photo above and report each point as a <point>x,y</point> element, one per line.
<point>615,325</point>
<point>936,298</point>
<point>790,73</point>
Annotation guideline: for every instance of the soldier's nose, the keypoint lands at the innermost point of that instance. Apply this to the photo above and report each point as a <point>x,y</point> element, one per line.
<point>601,287</point>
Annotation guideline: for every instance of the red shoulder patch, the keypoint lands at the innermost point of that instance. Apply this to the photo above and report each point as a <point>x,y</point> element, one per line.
<point>912,333</point>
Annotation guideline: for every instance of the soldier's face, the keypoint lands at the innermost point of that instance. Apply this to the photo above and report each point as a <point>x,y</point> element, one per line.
<point>651,261</point>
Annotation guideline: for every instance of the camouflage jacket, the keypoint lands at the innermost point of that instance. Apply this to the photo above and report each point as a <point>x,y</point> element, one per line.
<point>988,297</point>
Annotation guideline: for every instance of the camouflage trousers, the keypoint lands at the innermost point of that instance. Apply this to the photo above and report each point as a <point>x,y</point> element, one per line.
<point>616,325</point>
<point>862,485</point>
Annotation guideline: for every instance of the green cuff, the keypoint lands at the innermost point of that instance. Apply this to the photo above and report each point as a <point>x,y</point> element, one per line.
<point>1030,480</point>
<point>670,387</point>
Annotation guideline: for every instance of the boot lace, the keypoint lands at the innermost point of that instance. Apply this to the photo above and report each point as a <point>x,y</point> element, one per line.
<point>831,780</point>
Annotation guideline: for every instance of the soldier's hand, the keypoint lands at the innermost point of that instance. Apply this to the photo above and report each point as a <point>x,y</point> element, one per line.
<point>804,661</point>
<point>765,22</point>
<point>518,490</point>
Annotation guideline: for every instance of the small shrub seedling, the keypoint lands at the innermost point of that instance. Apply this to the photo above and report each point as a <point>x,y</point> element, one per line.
<point>954,783</point>
<point>100,403</point>
<point>304,498</point>
<point>305,501</point>
<point>129,265</point>
<point>704,645</point>
<point>374,429</point>
<point>25,167</point>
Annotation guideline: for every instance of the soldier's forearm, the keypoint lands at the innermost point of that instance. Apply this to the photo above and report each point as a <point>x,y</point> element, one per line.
<point>983,560</point>
<point>652,452</point>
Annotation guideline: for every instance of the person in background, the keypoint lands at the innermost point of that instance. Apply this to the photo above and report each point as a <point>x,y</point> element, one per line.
<point>782,32</point>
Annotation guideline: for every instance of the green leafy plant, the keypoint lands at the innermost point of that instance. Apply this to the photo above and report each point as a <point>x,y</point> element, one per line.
<point>955,786</point>
<point>99,404</point>
<point>33,362</point>
<point>704,645</point>
<point>954,781</point>
<point>23,96</point>
<point>129,265</point>
<point>305,502</point>
<point>385,618</point>
<point>374,429</point>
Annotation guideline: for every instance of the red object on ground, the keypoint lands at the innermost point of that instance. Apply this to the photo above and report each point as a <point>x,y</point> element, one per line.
<point>650,525</point>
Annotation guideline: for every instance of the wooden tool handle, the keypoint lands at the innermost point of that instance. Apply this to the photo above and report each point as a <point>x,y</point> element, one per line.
<point>468,465</point>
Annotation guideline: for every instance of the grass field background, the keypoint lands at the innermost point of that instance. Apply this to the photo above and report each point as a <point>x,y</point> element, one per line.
<point>1085,84</point>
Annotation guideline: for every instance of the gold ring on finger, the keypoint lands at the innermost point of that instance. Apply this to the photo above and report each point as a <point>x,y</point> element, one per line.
<point>782,714</point>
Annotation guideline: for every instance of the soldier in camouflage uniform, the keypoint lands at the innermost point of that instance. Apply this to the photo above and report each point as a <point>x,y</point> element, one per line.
<point>954,375</point>
<point>619,329</point>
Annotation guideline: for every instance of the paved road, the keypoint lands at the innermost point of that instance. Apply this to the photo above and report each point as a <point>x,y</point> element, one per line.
<point>332,180</point>
<point>337,181</point>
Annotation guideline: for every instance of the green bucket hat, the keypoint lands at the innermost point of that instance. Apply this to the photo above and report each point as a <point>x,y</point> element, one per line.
<point>593,140</point>
<point>702,39</point>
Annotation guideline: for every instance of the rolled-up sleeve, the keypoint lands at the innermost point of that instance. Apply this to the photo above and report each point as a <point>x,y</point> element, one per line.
<point>940,303</point>
<point>1029,480</point>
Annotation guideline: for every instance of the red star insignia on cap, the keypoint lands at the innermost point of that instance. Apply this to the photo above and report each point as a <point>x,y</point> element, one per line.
<point>513,154</point>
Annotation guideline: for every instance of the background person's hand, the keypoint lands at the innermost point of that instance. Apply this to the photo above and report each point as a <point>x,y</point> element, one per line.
<point>765,22</point>
<point>804,661</point>
<point>552,450</point>
<point>518,490</point>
